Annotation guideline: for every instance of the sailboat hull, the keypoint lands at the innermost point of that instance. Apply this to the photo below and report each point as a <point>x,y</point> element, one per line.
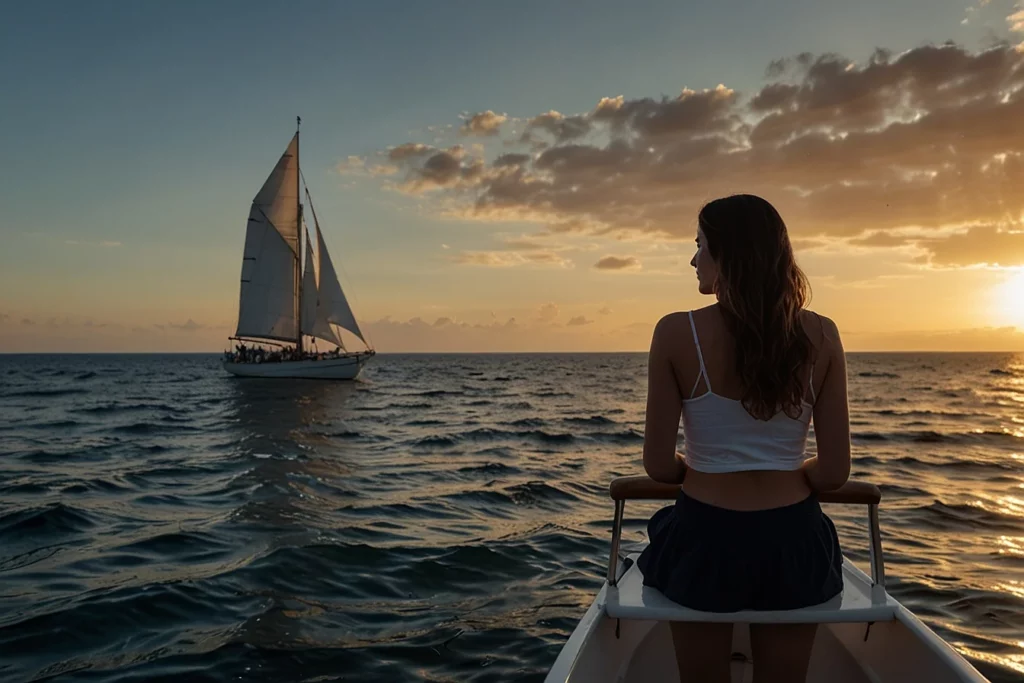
<point>346,367</point>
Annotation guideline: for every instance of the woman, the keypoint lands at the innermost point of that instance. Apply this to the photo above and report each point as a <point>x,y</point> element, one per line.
<point>746,373</point>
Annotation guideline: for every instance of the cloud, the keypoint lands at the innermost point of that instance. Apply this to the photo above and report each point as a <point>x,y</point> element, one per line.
<point>578,321</point>
<point>508,259</point>
<point>929,139</point>
<point>548,312</point>
<point>604,311</point>
<point>980,245</point>
<point>353,165</point>
<point>509,160</point>
<point>618,263</point>
<point>562,128</point>
<point>442,169</point>
<point>27,321</point>
<point>409,150</point>
<point>484,123</point>
<point>1016,19</point>
<point>189,325</point>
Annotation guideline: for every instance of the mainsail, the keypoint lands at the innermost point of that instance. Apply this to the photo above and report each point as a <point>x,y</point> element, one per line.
<point>268,302</point>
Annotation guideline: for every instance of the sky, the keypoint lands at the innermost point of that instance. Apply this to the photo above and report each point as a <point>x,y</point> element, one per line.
<point>510,177</point>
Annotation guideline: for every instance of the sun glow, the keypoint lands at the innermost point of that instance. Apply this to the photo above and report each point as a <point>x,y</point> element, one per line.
<point>1010,300</point>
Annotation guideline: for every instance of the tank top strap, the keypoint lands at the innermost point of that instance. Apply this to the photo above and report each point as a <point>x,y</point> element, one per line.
<point>700,358</point>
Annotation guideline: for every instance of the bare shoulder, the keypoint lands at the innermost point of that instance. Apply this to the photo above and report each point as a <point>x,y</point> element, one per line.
<point>822,331</point>
<point>672,334</point>
<point>671,323</point>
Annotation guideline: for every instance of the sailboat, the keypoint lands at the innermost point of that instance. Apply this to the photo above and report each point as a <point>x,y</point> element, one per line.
<point>289,292</point>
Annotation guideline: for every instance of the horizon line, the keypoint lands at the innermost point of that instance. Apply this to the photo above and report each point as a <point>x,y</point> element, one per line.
<point>462,353</point>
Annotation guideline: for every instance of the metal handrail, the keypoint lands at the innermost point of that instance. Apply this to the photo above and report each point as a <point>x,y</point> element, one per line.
<point>653,491</point>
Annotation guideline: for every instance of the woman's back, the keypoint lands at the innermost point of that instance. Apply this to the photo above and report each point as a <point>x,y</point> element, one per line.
<point>735,460</point>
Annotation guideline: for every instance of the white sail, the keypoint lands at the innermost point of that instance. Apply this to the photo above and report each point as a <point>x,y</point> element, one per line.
<point>332,306</point>
<point>309,291</point>
<point>268,300</point>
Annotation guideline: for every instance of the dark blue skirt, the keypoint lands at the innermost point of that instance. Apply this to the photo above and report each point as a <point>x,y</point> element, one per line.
<point>718,560</point>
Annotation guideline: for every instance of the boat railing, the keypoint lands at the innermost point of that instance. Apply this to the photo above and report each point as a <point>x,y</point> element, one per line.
<point>643,487</point>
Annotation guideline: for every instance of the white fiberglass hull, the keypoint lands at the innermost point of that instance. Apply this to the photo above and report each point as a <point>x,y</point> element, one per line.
<point>901,649</point>
<point>346,367</point>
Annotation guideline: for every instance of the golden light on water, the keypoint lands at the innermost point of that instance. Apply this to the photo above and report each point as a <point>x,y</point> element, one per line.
<point>1011,545</point>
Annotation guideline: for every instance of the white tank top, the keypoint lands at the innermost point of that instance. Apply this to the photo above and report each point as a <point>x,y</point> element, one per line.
<point>721,436</point>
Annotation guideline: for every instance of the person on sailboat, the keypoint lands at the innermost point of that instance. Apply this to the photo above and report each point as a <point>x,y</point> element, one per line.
<point>746,374</point>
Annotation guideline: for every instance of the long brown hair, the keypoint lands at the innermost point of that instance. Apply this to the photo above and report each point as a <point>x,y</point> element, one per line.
<point>761,292</point>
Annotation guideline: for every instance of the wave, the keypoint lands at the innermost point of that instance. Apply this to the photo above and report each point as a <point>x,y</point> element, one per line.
<point>922,413</point>
<point>45,393</point>
<point>110,408</point>
<point>97,486</point>
<point>56,424</point>
<point>40,522</point>
<point>528,422</point>
<point>932,436</point>
<point>623,437</point>
<point>341,434</point>
<point>484,434</point>
<point>535,492</point>
<point>493,468</point>
<point>488,434</point>
<point>436,440</point>
<point>1000,371</point>
<point>968,517</point>
<point>177,544</point>
<point>592,420</point>
<point>85,376</point>
<point>434,393</point>
<point>881,375</point>
<point>526,494</point>
<point>141,428</point>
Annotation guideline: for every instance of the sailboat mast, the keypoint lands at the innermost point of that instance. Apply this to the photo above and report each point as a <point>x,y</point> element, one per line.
<point>298,229</point>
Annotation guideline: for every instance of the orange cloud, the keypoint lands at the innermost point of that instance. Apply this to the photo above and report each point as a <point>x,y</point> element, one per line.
<point>506,259</point>
<point>618,263</point>
<point>484,123</point>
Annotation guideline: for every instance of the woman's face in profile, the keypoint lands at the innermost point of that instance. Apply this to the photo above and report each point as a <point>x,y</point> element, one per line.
<point>707,269</point>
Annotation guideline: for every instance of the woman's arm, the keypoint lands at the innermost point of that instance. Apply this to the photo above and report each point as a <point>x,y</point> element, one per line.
<point>831,468</point>
<point>664,406</point>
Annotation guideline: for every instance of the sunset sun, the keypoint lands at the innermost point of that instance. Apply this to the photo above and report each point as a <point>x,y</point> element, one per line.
<point>1010,300</point>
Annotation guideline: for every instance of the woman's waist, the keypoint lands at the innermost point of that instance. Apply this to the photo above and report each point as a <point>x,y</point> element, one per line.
<point>742,456</point>
<point>747,490</point>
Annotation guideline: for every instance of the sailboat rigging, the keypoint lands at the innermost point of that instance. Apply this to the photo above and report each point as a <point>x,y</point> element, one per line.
<point>289,288</point>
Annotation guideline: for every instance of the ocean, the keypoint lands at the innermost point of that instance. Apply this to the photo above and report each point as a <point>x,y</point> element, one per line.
<point>445,518</point>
